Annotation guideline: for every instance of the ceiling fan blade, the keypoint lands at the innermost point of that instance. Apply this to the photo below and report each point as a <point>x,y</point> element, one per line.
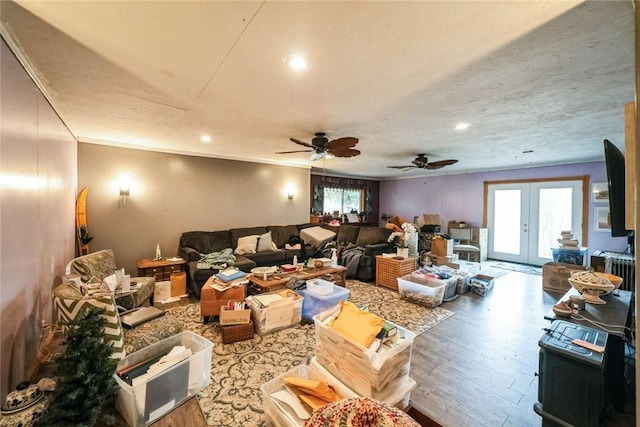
<point>295,151</point>
<point>349,152</point>
<point>342,143</point>
<point>304,144</point>
<point>440,164</point>
<point>404,168</point>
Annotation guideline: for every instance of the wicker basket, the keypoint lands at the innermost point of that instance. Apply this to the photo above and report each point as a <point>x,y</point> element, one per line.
<point>388,270</point>
<point>236,333</point>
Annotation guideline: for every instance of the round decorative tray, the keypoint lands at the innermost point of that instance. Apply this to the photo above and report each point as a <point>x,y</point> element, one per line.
<point>264,270</point>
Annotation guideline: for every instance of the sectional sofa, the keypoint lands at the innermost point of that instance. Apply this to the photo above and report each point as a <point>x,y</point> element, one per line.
<point>272,246</point>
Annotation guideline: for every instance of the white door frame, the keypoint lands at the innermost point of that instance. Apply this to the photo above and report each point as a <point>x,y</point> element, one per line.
<point>528,246</point>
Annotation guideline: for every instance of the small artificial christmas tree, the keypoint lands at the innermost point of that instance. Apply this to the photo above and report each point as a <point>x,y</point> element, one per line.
<point>85,386</point>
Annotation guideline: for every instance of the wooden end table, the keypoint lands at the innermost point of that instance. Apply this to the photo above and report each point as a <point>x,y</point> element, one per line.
<point>161,270</point>
<point>388,270</point>
<point>278,280</point>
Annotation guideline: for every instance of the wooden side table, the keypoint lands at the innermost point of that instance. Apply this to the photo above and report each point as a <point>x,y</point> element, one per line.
<point>161,270</point>
<point>389,269</point>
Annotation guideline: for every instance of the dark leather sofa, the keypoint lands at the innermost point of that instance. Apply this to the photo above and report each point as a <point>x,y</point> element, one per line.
<point>193,244</point>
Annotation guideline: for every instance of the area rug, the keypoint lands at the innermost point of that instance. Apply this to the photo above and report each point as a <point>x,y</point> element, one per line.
<point>238,370</point>
<point>521,268</point>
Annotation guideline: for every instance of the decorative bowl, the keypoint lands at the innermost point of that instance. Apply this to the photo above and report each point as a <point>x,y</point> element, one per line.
<point>261,271</point>
<point>615,280</point>
<point>24,396</point>
<point>591,285</point>
<point>561,309</point>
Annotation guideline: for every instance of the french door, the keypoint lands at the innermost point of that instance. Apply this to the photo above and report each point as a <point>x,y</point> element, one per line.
<point>525,218</point>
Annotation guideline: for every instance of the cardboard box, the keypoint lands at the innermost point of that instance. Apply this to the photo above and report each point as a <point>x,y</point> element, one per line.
<point>451,225</point>
<point>428,219</point>
<point>555,276</point>
<point>234,317</point>
<point>442,247</point>
<point>398,220</point>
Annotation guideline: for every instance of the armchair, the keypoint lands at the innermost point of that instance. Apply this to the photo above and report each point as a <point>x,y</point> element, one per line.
<point>101,264</point>
<point>68,302</point>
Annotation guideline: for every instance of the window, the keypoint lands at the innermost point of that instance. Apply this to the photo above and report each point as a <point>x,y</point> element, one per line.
<point>343,200</point>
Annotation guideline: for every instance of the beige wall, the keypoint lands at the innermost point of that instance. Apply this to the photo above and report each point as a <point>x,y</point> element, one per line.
<point>37,221</point>
<point>171,194</point>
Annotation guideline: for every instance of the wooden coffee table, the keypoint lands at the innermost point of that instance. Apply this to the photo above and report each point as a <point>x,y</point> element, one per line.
<point>278,280</point>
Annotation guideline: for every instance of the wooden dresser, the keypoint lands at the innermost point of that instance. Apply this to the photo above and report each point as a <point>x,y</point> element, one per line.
<point>161,269</point>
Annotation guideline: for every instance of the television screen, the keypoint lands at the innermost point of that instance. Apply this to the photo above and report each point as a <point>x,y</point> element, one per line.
<point>614,160</point>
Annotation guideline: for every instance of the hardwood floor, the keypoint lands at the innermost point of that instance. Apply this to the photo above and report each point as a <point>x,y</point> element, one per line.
<point>478,368</point>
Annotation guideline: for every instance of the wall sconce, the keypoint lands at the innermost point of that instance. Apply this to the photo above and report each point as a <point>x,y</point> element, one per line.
<point>290,194</point>
<point>124,193</point>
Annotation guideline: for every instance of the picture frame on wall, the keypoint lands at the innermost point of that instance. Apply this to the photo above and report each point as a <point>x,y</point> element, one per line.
<point>601,220</point>
<point>600,192</point>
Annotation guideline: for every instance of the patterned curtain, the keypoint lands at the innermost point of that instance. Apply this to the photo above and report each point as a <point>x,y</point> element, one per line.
<point>318,199</point>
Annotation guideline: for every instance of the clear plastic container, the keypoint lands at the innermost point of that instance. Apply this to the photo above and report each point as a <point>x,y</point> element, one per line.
<point>365,371</point>
<point>314,304</point>
<point>152,396</point>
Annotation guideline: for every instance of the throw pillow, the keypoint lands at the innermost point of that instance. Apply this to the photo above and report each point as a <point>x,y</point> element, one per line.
<point>265,243</point>
<point>69,302</point>
<point>247,245</point>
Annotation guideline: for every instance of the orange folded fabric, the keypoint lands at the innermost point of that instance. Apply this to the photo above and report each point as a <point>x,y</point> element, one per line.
<point>357,325</point>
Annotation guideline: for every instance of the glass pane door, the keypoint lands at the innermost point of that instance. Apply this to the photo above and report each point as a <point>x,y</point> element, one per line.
<point>525,219</point>
<point>507,239</point>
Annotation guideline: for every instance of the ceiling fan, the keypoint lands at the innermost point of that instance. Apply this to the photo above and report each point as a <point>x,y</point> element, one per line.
<point>321,146</point>
<point>422,162</point>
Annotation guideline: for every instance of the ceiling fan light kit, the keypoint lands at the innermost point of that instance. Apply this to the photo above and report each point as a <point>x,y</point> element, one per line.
<point>321,147</point>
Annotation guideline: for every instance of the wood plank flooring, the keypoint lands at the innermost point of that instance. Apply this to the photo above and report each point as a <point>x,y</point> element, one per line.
<point>478,368</point>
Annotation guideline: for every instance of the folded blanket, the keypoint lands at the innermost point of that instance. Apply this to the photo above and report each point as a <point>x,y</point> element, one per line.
<point>217,260</point>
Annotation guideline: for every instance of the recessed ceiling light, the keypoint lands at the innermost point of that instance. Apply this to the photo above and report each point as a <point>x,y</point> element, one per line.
<point>462,126</point>
<point>297,63</point>
<point>205,138</point>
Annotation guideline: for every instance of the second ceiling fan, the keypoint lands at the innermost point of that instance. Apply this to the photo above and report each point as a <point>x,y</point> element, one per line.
<point>321,146</point>
<point>422,162</point>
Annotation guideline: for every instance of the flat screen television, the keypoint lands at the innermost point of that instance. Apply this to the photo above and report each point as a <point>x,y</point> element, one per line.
<point>614,160</point>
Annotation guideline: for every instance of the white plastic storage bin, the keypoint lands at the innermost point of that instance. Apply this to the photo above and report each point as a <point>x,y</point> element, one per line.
<point>153,396</point>
<point>320,287</point>
<point>314,304</point>
<point>277,413</point>
<point>365,371</point>
<point>426,291</point>
<point>279,314</point>
<point>397,394</point>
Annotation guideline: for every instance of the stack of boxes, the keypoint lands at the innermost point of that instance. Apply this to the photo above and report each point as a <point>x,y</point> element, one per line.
<point>235,322</point>
<point>352,369</point>
<point>381,374</point>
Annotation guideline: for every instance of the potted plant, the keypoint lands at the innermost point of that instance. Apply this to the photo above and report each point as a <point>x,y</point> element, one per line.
<point>401,244</point>
<point>410,238</point>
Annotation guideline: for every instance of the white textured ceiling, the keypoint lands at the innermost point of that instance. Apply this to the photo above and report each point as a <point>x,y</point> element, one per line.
<point>547,76</point>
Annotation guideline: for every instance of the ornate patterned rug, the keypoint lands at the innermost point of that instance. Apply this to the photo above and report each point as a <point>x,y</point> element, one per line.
<point>238,370</point>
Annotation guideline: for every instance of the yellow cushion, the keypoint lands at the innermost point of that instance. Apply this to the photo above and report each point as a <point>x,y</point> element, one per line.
<point>357,325</point>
